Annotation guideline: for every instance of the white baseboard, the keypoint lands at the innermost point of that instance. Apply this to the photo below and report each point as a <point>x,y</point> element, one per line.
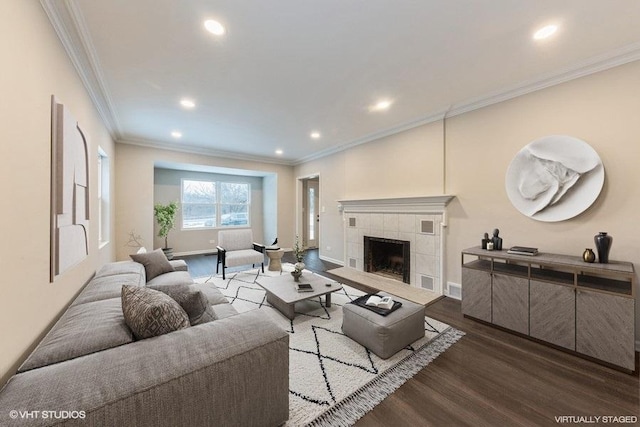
<point>200,252</point>
<point>335,261</point>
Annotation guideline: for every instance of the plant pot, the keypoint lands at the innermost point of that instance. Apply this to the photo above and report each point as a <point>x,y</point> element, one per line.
<point>296,275</point>
<point>168,252</point>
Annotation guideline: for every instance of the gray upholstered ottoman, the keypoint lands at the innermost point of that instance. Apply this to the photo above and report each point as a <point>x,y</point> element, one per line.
<point>384,335</point>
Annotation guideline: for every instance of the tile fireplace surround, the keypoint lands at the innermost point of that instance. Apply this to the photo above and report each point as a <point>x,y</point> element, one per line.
<point>418,220</point>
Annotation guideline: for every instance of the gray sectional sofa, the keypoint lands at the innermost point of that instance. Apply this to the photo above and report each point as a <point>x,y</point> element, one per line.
<point>89,369</point>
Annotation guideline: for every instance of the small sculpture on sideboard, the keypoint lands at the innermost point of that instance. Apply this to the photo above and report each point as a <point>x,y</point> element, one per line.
<point>497,241</point>
<point>485,239</point>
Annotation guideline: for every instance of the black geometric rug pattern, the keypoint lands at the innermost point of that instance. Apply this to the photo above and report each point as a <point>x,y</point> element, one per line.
<point>333,380</point>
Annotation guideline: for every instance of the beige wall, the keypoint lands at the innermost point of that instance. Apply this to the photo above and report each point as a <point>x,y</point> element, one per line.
<point>135,192</point>
<point>409,163</point>
<point>35,66</point>
<point>601,109</point>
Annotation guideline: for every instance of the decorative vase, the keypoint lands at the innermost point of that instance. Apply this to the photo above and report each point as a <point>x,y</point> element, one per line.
<point>603,245</point>
<point>588,255</point>
<point>299,266</point>
<point>296,275</point>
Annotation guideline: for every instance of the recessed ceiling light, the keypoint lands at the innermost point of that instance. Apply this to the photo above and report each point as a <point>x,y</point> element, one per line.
<point>176,134</point>
<point>279,152</point>
<point>187,103</point>
<point>381,105</point>
<point>315,135</point>
<point>545,32</point>
<point>214,27</point>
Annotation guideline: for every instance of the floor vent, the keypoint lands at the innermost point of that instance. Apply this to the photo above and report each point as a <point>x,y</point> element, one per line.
<point>454,290</point>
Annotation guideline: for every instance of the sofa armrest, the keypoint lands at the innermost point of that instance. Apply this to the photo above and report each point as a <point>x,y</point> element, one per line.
<point>258,247</point>
<point>179,265</point>
<point>233,371</point>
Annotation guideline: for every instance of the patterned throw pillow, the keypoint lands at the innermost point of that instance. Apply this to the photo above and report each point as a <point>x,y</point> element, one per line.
<point>155,263</point>
<point>150,313</point>
<point>194,302</point>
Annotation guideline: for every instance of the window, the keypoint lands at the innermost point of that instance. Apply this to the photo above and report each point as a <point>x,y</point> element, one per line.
<point>208,204</point>
<point>104,212</point>
<point>234,204</point>
<point>198,204</point>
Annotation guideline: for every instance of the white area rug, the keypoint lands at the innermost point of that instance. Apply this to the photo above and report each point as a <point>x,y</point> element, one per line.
<point>333,380</point>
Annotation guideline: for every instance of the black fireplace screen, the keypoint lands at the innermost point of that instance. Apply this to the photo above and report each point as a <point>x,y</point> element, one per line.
<point>387,257</point>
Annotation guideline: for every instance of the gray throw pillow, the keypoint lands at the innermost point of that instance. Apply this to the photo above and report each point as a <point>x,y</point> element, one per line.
<point>155,263</point>
<point>150,313</point>
<point>193,302</point>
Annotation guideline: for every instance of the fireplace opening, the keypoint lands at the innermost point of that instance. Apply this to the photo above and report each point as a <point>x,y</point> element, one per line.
<point>387,257</point>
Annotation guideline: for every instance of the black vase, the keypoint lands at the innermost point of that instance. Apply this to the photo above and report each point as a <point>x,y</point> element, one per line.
<point>603,245</point>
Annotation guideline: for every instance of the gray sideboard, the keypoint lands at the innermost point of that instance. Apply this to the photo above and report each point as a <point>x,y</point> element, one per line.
<point>587,308</point>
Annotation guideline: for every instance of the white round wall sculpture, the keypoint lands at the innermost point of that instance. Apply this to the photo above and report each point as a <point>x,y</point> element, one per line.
<point>554,178</point>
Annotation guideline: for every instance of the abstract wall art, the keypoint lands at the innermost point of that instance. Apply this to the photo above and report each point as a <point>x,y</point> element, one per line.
<point>69,191</point>
<point>554,178</point>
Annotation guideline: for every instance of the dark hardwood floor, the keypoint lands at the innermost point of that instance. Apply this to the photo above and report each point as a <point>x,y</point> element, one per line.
<point>493,378</point>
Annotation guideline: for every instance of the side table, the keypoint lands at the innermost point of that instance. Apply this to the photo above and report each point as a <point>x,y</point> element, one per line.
<point>275,259</point>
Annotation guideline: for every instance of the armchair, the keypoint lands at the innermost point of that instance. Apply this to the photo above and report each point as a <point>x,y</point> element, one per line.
<point>236,247</point>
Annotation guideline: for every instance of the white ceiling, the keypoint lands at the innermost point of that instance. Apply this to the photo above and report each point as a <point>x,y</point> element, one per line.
<point>289,67</point>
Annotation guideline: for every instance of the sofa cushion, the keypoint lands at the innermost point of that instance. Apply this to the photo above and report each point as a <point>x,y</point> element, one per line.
<point>235,240</point>
<point>155,263</point>
<point>150,313</point>
<point>243,257</point>
<point>82,329</point>
<point>221,311</point>
<point>171,278</point>
<point>107,287</point>
<point>121,267</point>
<point>192,301</point>
<point>212,293</point>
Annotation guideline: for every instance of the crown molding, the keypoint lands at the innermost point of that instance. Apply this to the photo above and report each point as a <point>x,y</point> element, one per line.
<point>70,27</point>
<point>624,55</point>
<point>432,118</point>
<point>595,64</point>
<point>190,149</point>
<point>67,21</point>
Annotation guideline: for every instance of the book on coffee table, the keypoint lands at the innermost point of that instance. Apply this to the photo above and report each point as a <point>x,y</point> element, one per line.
<point>304,287</point>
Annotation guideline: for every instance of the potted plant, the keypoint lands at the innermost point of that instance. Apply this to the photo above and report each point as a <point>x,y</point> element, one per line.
<point>166,218</point>
<point>298,253</point>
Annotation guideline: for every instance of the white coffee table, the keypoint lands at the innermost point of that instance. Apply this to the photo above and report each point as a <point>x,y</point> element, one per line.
<point>282,293</point>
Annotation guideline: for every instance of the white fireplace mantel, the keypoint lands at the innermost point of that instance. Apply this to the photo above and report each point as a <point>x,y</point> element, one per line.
<point>421,204</point>
<point>400,218</point>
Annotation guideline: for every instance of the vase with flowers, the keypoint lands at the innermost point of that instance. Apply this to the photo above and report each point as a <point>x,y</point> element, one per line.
<point>298,253</point>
